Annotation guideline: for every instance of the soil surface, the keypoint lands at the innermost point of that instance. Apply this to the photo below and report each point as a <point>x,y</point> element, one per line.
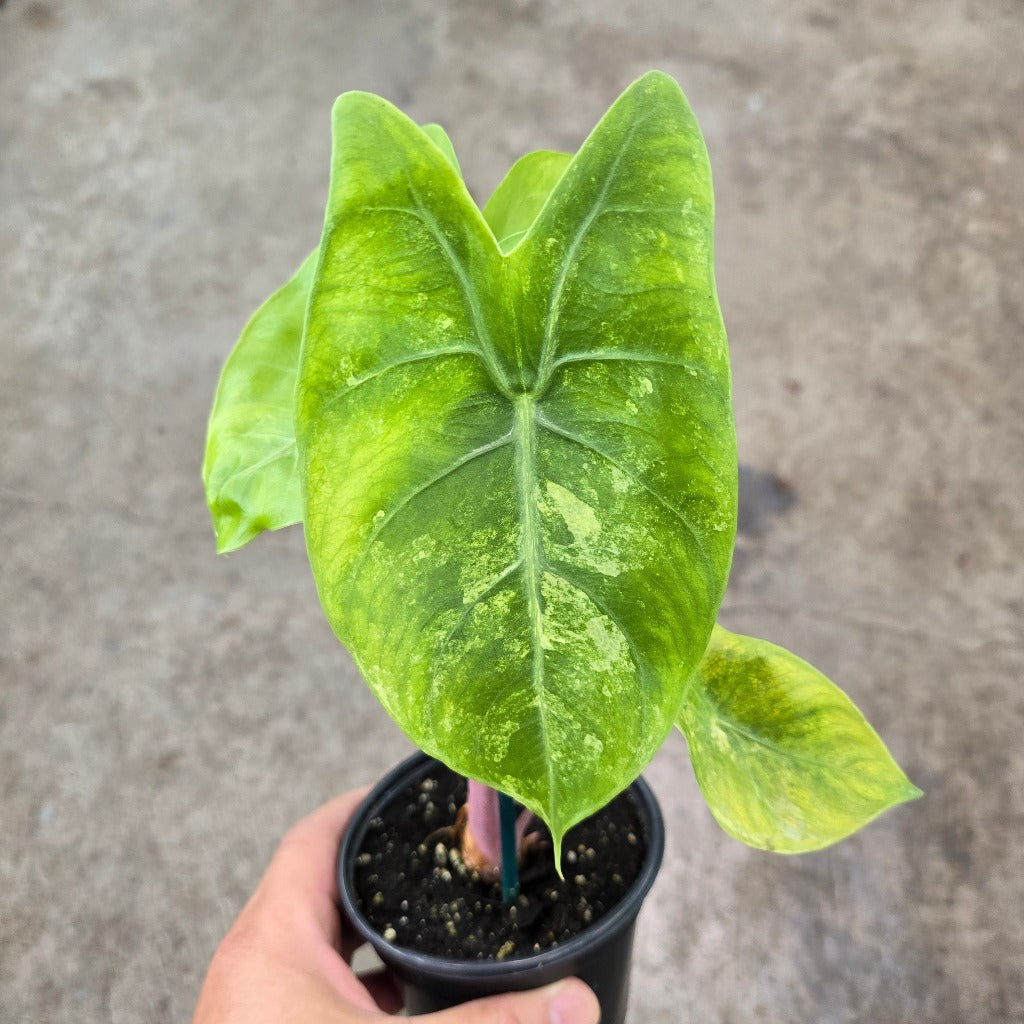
<point>414,889</point>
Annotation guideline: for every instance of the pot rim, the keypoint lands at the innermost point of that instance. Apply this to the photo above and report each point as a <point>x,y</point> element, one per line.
<point>621,915</point>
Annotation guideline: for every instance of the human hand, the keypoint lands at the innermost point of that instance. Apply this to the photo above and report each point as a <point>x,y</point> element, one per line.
<point>286,960</point>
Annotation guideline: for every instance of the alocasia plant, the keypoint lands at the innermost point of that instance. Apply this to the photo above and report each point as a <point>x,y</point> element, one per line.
<point>509,436</point>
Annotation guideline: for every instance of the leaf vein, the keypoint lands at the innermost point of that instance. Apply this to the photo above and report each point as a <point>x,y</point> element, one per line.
<point>472,306</point>
<point>277,453</point>
<point>490,589</point>
<point>695,369</point>
<point>464,460</point>
<point>603,608</point>
<point>740,730</point>
<point>417,357</point>
<point>676,513</point>
<point>554,303</point>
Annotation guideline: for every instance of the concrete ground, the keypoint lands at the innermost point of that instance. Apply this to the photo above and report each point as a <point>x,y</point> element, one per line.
<point>165,713</point>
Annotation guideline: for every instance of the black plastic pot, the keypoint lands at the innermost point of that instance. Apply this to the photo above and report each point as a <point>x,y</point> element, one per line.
<point>600,955</point>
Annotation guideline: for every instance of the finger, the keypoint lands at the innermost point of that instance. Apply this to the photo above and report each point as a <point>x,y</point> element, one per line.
<point>301,882</point>
<point>566,1002</point>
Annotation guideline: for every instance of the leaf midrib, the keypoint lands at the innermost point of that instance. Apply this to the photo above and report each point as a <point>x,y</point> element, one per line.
<point>531,558</point>
<point>282,452</point>
<point>728,723</point>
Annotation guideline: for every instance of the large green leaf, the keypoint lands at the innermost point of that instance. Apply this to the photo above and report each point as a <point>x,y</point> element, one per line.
<point>251,469</point>
<point>515,203</point>
<point>520,468</point>
<point>785,760</point>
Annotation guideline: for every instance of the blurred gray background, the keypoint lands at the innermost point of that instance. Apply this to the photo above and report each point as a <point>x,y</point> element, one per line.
<point>165,714</point>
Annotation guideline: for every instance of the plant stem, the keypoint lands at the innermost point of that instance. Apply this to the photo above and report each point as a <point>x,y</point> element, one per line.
<point>496,831</point>
<point>484,820</point>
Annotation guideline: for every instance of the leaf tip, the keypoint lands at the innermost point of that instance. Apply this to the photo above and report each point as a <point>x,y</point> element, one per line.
<point>230,534</point>
<point>910,792</point>
<point>656,81</point>
<point>659,77</point>
<point>228,545</point>
<point>355,106</point>
<point>556,852</point>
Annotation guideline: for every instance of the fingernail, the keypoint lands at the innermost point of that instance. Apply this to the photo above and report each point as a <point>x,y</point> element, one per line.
<point>572,1002</point>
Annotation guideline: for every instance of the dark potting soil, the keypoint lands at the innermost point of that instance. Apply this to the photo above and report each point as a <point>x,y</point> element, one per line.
<point>416,892</point>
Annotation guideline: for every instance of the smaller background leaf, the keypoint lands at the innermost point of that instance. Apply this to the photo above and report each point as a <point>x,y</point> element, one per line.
<point>251,471</point>
<point>439,137</point>
<point>516,202</point>
<point>785,760</point>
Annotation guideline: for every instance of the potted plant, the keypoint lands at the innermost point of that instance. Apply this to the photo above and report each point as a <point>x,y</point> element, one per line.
<point>508,434</point>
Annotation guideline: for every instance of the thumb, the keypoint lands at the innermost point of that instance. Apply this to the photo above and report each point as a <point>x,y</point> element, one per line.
<point>565,1002</point>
